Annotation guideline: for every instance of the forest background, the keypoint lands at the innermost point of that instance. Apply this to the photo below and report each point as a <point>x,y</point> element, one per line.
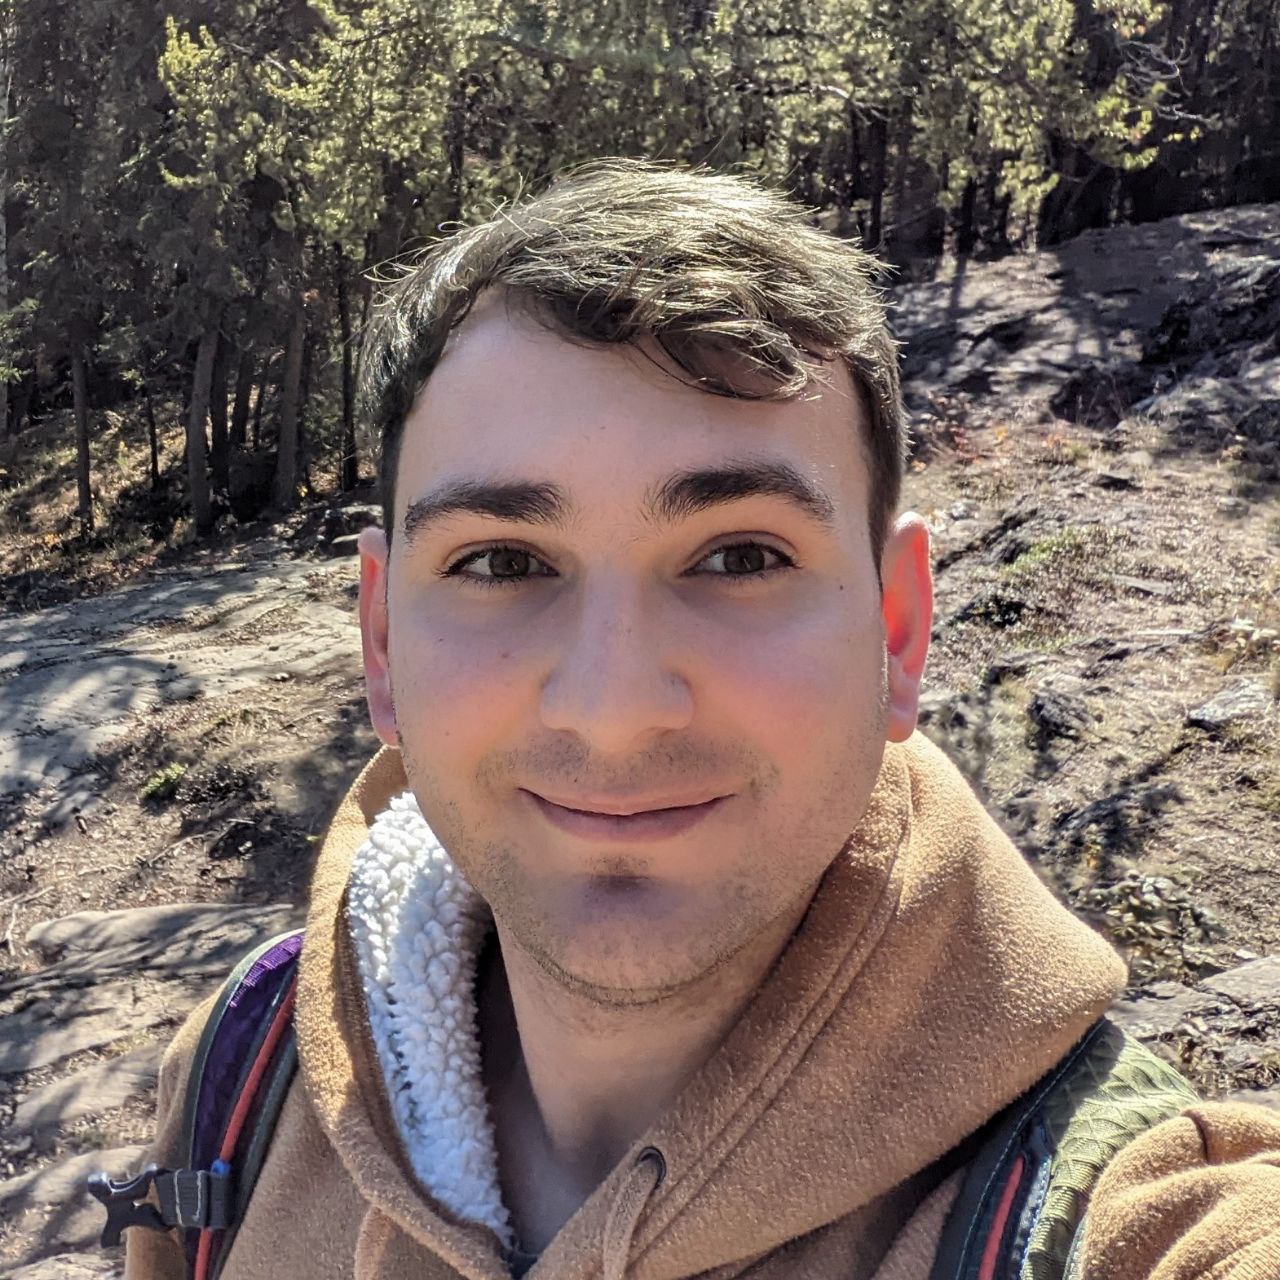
<point>197,197</point>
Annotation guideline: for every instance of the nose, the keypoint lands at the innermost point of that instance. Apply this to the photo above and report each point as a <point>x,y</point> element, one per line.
<point>613,683</point>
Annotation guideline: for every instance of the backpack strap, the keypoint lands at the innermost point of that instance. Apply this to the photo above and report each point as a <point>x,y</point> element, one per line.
<point>1073,1268</point>
<point>243,1065</point>
<point>1020,1210</point>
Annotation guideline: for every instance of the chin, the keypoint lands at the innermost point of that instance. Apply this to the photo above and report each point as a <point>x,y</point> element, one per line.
<point>629,940</point>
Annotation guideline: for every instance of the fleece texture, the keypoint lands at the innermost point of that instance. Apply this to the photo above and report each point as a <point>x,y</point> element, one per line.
<point>933,979</point>
<point>418,926</point>
<point>1197,1199</point>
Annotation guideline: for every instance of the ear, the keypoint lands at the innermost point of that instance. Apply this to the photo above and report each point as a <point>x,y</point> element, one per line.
<point>372,545</point>
<point>907,606</point>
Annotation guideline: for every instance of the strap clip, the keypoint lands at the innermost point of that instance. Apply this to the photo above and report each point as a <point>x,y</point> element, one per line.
<point>192,1199</point>
<point>196,1199</point>
<point>119,1199</point>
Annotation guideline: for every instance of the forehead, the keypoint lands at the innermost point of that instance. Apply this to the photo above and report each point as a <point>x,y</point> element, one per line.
<point>513,399</point>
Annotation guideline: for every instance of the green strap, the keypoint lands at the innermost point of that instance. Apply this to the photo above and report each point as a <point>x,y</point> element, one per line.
<point>1104,1093</point>
<point>1074,1269</point>
<point>964,1233</point>
<point>1117,1091</point>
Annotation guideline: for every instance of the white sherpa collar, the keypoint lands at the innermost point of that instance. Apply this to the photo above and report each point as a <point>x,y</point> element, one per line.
<point>418,928</point>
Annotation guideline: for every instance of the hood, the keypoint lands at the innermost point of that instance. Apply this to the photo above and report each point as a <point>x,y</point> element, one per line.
<point>933,980</point>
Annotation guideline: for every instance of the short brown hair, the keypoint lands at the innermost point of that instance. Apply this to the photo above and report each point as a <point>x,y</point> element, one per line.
<point>707,265</point>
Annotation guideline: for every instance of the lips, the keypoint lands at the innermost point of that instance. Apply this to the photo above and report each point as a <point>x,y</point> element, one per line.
<point>623,821</point>
<point>626,808</point>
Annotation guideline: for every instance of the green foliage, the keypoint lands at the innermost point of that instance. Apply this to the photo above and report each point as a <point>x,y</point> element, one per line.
<point>15,324</point>
<point>168,178</point>
<point>1066,544</point>
<point>449,110</point>
<point>163,785</point>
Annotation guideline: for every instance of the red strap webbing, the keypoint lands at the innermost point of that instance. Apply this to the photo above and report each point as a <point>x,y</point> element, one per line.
<point>244,1104</point>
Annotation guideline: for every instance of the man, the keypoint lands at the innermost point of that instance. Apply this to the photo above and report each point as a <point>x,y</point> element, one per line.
<point>657,942</point>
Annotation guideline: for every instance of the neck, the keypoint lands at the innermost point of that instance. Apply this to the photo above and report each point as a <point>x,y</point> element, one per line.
<point>573,1082</point>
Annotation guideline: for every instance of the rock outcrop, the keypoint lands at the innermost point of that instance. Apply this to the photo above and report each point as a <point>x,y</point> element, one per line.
<point>73,677</point>
<point>80,1043</point>
<point>1228,1024</point>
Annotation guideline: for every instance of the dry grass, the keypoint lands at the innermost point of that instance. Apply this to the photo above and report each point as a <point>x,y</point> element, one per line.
<point>40,535</point>
<point>1061,448</point>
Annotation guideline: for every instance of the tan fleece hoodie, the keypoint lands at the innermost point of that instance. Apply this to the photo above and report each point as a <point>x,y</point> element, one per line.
<point>933,980</point>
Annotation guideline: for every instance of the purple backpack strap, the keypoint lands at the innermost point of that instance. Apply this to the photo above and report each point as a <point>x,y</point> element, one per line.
<point>229,1045</point>
<point>243,1065</point>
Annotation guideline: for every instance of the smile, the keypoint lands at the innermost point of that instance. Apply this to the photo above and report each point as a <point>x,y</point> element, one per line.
<point>645,824</point>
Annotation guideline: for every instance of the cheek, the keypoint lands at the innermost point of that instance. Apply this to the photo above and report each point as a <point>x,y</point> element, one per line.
<point>808,678</point>
<point>452,685</point>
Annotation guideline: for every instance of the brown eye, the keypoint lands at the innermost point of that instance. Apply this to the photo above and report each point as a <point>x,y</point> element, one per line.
<point>509,562</point>
<point>745,560</point>
<point>499,566</point>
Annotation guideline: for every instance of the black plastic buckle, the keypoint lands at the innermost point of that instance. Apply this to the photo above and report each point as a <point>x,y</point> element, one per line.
<point>119,1200</point>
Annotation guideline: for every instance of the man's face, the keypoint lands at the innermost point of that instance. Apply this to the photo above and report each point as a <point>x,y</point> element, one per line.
<point>632,648</point>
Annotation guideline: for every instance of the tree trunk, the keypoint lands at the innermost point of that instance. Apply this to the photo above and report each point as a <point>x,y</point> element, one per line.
<point>283,490</point>
<point>396,206</point>
<point>218,416</point>
<point>152,439</point>
<point>902,156</point>
<point>364,286</point>
<point>852,177</point>
<point>304,399</point>
<point>455,134</point>
<point>6,84</point>
<point>259,403</point>
<point>965,237</point>
<point>244,389</point>
<point>879,155</point>
<point>197,460</point>
<point>80,396</point>
<point>246,347</point>
<point>347,461</point>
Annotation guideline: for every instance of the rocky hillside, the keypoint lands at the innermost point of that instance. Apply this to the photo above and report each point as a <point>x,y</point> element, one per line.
<point>1098,456</point>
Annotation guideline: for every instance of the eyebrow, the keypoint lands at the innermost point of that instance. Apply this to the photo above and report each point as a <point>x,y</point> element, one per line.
<point>689,492</point>
<point>517,500</point>
<point>677,498</point>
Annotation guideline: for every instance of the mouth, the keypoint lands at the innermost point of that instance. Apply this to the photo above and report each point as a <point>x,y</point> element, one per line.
<point>626,821</point>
